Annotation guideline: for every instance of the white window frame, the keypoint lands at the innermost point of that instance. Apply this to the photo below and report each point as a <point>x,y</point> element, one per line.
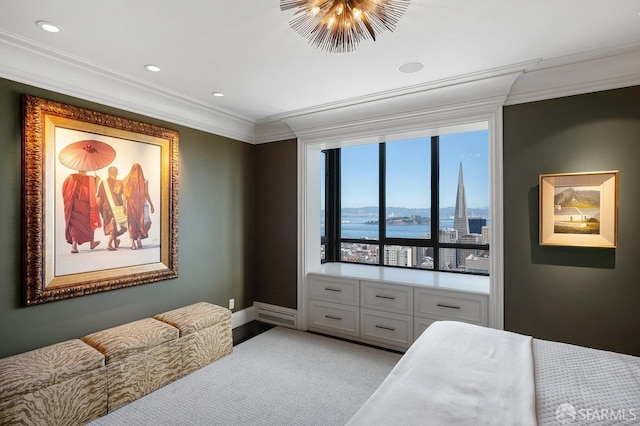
<point>416,124</point>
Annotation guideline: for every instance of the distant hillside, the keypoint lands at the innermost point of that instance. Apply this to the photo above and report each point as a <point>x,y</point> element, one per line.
<point>403,220</point>
<point>445,212</point>
<point>571,197</point>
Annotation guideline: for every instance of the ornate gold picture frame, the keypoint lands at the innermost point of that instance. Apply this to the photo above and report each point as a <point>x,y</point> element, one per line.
<point>100,202</point>
<point>579,209</point>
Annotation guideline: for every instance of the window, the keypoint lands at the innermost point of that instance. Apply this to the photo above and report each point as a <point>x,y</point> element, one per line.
<point>415,203</point>
<point>323,199</point>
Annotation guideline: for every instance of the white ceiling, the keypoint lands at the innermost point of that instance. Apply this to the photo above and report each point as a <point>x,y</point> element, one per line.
<point>247,50</point>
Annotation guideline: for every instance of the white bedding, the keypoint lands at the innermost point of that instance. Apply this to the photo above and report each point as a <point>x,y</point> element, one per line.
<point>457,373</point>
<point>578,385</point>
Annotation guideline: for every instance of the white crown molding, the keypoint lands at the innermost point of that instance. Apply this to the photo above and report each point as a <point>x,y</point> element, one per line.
<point>31,63</point>
<point>437,105</point>
<point>591,55</point>
<point>518,83</point>
<point>578,74</point>
<point>405,122</point>
<point>428,87</point>
<point>38,65</point>
<point>272,131</point>
<point>574,89</point>
<point>374,111</point>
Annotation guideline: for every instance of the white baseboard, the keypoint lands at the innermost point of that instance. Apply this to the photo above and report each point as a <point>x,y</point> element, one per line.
<point>278,315</point>
<point>243,317</point>
<point>272,314</point>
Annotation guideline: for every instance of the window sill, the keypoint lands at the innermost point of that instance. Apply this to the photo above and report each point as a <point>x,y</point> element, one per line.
<point>459,282</point>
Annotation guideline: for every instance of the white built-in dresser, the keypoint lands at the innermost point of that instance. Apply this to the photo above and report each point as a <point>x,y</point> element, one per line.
<point>391,307</point>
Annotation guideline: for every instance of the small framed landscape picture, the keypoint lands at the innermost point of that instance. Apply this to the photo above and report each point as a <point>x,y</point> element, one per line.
<point>579,209</point>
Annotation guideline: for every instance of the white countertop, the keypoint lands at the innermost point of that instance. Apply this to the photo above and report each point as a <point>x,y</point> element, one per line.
<point>445,280</point>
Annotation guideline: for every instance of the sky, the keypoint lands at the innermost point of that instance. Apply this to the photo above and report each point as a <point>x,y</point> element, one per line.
<point>408,165</point>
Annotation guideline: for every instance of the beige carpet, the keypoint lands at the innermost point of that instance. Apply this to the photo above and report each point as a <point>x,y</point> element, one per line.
<point>280,377</point>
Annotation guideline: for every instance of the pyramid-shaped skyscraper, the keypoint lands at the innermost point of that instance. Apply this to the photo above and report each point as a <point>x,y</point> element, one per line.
<point>461,220</point>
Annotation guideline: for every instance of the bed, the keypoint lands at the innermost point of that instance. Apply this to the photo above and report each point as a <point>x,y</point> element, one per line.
<point>462,374</point>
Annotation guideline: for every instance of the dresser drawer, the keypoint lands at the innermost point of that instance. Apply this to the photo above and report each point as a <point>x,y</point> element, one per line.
<point>420,325</point>
<point>334,318</point>
<point>449,305</point>
<point>389,328</point>
<point>331,289</point>
<point>387,297</point>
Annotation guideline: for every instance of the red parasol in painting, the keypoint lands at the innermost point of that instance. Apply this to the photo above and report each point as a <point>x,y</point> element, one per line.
<point>87,155</point>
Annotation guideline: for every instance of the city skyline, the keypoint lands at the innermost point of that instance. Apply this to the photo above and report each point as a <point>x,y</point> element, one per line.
<point>463,198</point>
<point>410,164</point>
<point>462,230</point>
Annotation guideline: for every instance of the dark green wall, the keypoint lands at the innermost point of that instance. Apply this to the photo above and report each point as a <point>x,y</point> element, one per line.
<point>276,223</point>
<point>216,236</point>
<point>237,229</point>
<point>583,296</point>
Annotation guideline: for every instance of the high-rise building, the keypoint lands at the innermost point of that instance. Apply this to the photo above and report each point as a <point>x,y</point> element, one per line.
<point>476,224</point>
<point>427,263</point>
<point>486,235</point>
<point>448,261</point>
<point>470,231</point>
<point>397,256</point>
<point>478,264</point>
<point>460,219</point>
<point>464,253</point>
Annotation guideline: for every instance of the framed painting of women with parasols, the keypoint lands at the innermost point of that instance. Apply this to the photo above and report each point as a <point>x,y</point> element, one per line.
<point>100,201</point>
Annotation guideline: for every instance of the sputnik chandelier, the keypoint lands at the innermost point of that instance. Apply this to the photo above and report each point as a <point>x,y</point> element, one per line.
<point>339,25</point>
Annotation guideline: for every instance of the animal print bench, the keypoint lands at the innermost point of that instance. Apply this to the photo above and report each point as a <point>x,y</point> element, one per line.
<point>141,356</point>
<point>205,333</point>
<point>61,384</point>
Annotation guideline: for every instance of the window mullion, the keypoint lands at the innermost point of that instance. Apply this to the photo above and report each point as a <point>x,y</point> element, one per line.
<point>382,215</point>
<point>435,200</point>
<point>333,204</point>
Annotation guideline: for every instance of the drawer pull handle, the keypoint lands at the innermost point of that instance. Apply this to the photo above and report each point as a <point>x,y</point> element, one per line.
<point>384,327</point>
<point>337,290</point>
<point>448,306</point>
<point>380,296</point>
<point>333,318</point>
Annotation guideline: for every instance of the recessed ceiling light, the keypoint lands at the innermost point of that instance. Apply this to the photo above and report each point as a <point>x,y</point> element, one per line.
<point>218,94</point>
<point>48,26</point>
<point>153,68</point>
<point>411,67</point>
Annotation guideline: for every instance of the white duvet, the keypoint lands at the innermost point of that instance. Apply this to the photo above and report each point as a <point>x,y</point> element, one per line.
<point>457,374</point>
